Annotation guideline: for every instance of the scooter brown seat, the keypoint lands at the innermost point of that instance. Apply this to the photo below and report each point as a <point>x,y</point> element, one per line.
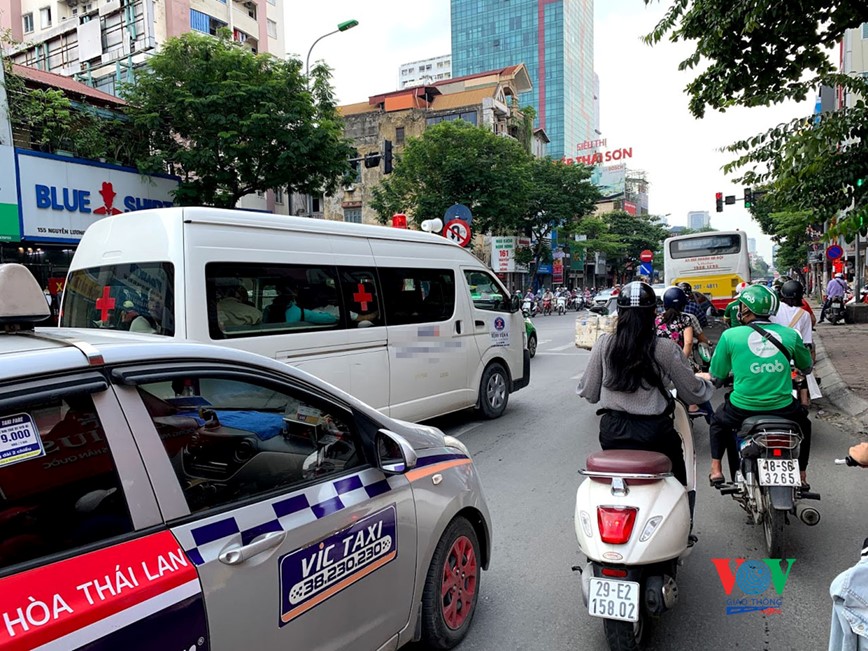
<point>629,462</point>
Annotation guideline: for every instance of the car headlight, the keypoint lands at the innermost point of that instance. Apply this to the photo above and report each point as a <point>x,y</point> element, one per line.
<point>452,442</point>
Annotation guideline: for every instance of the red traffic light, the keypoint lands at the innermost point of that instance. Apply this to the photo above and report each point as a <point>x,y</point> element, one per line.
<point>718,201</point>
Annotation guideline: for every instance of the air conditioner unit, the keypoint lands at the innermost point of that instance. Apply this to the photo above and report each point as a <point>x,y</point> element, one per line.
<point>349,188</point>
<point>71,3</point>
<point>249,4</point>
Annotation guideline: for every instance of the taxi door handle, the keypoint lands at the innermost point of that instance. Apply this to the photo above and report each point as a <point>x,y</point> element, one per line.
<point>239,554</point>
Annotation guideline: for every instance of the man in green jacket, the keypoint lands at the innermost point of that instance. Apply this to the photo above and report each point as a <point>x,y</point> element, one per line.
<point>762,381</point>
<point>730,313</point>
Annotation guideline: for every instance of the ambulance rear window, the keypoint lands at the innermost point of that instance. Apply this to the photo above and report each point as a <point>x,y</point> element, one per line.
<point>138,297</point>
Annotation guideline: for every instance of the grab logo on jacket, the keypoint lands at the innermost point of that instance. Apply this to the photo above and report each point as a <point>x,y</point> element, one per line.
<point>761,347</point>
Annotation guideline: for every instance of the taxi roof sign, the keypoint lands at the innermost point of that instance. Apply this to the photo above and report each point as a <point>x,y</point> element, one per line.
<point>22,302</point>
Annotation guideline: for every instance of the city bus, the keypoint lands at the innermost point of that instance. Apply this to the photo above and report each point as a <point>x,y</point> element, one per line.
<point>714,263</point>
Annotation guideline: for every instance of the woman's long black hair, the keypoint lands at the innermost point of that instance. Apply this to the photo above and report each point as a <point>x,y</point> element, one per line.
<point>631,355</point>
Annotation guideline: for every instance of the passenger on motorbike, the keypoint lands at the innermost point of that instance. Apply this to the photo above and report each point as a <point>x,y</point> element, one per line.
<point>673,323</point>
<point>836,288</point>
<point>730,312</point>
<point>792,314</point>
<point>692,306</point>
<point>628,374</point>
<point>761,374</point>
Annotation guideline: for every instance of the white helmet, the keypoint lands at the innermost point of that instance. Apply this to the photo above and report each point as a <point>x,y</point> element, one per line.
<point>839,275</point>
<point>741,287</point>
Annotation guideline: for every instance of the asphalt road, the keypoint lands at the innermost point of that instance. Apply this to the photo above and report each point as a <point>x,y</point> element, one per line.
<point>531,599</point>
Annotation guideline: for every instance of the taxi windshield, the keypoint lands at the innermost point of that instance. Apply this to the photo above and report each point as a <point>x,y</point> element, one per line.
<point>137,297</point>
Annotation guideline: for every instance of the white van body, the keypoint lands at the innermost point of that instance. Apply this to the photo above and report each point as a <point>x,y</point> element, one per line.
<point>410,363</point>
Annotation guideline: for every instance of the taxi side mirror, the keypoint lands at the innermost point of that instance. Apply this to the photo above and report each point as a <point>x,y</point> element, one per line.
<point>395,455</point>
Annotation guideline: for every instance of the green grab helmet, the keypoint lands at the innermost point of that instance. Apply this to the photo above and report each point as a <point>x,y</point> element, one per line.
<point>760,300</point>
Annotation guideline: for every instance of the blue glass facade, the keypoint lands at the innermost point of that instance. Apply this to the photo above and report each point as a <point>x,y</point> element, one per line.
<point>554,39</point>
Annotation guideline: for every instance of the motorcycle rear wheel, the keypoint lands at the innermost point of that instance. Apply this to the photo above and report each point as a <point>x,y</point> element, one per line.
<point>625,636</point>
<point>774,528</point>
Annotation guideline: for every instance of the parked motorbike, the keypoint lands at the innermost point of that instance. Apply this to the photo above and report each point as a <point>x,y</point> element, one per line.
<point>767,485</point>
<point>836,311</point>
<point>562,304</point>
<point>633,521</point>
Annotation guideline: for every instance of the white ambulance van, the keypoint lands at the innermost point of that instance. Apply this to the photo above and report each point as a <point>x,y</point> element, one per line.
<point>406,321</point>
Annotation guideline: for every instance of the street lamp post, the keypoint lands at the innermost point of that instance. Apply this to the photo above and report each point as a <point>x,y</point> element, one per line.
<point>342,27</point>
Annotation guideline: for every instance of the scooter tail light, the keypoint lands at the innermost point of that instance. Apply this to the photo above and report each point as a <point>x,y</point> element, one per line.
<point>614,572</point>
<point>616,523</point>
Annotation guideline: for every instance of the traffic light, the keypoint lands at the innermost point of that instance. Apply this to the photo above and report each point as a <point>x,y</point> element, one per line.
<point>860,183</point>
<point>718,201</point>
<point>387,157</point>
<point>748,198</point>
<point>372,160</point>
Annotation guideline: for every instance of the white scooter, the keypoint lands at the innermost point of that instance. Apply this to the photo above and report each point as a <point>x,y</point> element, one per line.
<point>562,304</point>
<point>633,522</point>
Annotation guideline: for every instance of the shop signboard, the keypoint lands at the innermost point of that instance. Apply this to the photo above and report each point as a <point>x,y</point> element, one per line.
<point>503,254</point>
<point>9,226</point>
<point>60,197</point>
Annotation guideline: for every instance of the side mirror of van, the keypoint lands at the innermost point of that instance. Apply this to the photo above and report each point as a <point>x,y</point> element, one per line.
<point>515,302</point>
<point>395,455</point>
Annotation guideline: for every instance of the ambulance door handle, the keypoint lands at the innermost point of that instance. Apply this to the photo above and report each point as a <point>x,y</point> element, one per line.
<point>479,324</point>
<point>458,327</point>
<point>239,554</point>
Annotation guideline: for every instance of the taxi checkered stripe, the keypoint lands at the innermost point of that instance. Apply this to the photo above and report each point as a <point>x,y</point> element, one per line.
<point>205,542</point>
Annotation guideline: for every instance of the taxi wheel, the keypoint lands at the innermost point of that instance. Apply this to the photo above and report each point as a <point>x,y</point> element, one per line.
<point>531,345</point>
<point>452,587</point>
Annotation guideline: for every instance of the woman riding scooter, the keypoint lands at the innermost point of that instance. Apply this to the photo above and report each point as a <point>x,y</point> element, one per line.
<point>628,374</point>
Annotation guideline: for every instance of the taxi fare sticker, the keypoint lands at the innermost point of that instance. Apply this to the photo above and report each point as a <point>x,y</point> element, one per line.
<point>19,440</point>
<point>311,575</point>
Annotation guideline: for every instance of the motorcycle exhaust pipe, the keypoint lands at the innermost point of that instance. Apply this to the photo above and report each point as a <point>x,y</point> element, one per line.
<point>810,516</point>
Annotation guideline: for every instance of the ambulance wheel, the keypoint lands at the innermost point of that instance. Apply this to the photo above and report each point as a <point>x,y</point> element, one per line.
<point>451,587</point>
<point>493,391</point>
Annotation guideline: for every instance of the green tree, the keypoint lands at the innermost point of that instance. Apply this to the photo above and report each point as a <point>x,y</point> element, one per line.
<point>788,229</point>
<point>230,122</point>
<point>557,199</point>
<point>761,53</point>
<point>622,237</point>
<point>456,162</point>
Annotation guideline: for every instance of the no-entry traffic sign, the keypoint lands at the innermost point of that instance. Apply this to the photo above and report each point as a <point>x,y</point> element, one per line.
<point>646,255</point>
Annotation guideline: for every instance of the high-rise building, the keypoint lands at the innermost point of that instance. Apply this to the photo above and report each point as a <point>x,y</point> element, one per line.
<point>101,42</point>
<point>427,71</point>
<point>554,39</point>
<point>698,219</point>
<point>751,245</point>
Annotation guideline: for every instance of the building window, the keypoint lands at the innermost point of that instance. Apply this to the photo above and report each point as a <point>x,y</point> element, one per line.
<point>315,204</point>
<point>204,23</point>
<point>272,28</point>
<point>45,17</point>
<point>399,135</point>
<point>353,215</point>
<point>272,2</point>
<point>251,11</point>
<point>278,196</point>
<point>865,30</point>
<point>28,22</point>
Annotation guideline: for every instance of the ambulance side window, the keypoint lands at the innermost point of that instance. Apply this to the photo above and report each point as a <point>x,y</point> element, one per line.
<point>66,498</point>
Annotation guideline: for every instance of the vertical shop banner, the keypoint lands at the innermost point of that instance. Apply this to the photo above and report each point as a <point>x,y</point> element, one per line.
<point>9,227</point>
<point>61,197</point>
<point>503,253</point>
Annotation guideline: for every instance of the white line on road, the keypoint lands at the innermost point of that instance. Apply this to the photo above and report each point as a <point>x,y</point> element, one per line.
<point>559,348</point>
<point>573,354</point>
<point>467,428</point>
<point>543,341</point>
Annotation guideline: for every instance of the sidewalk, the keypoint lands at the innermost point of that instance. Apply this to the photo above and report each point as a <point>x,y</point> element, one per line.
<point>842,366</point>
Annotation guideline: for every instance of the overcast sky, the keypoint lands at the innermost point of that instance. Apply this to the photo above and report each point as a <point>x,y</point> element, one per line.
<point>643,105</point>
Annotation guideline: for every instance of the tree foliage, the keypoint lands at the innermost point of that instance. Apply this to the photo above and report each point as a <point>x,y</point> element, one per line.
<point>789,230</point>
<point>456,162</point>
<point>761,53</point>
<point>622,237</point>
<point>230,122</point>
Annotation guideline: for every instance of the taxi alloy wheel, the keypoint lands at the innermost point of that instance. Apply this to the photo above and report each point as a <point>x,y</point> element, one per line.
<point>452,587</point>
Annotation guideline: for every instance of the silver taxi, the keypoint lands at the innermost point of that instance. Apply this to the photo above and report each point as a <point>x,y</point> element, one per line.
<point>172,496</point>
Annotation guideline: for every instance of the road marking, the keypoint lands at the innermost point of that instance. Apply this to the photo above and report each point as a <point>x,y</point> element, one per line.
<point>572,354</point>
<point>559,348</point>
<point>464,430</point>
<point>543,341</point>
